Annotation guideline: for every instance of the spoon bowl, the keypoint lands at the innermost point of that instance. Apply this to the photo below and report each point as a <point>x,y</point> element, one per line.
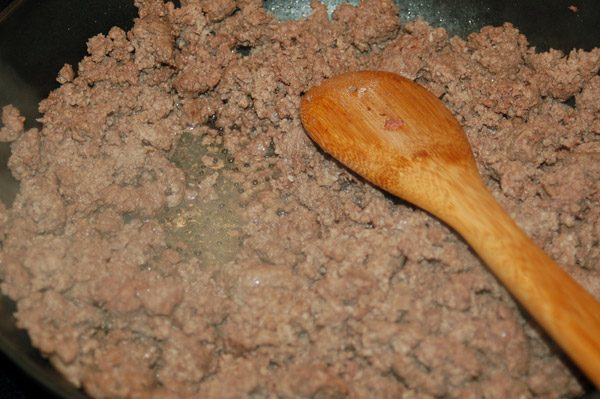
<point>380,133</point>
<point>399,136</point>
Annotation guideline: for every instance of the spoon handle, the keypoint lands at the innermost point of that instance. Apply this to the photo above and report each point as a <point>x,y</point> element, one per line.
<point>558,303</point>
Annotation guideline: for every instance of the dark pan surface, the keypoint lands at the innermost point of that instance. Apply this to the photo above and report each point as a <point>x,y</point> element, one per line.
<point>37,38</point>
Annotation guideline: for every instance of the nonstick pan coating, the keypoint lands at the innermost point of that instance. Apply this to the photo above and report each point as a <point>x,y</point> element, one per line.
<point>37,38</point>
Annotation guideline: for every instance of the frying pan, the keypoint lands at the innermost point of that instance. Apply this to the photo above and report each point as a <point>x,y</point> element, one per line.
<point>37,38</point>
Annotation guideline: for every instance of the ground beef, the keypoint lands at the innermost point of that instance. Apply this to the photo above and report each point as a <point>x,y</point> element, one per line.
<point>176,234</point>
<point>12,124</point>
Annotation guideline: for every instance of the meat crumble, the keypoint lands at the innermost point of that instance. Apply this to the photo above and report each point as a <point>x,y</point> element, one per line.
<point>177,235</point>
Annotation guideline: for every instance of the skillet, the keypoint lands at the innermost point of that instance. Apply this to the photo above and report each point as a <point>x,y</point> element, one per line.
<point>36,38</point>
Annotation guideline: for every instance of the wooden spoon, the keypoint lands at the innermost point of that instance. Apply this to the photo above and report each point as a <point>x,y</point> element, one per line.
<point>400,137</point>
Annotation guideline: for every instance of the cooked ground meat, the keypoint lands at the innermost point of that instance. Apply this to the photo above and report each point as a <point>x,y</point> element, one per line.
<point>177,235</point>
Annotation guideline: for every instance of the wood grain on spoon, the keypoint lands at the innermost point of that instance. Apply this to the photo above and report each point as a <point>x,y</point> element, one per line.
<point>400,137</point>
